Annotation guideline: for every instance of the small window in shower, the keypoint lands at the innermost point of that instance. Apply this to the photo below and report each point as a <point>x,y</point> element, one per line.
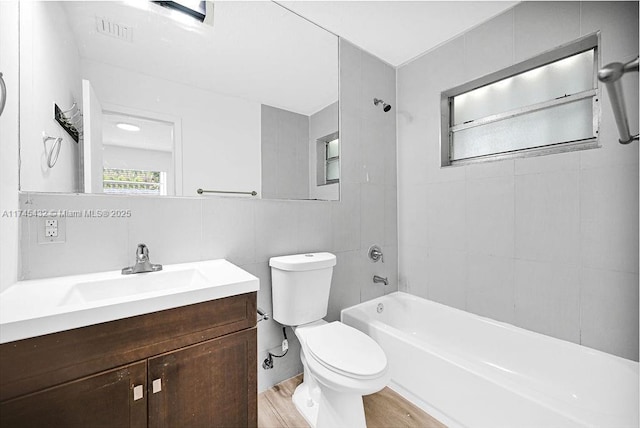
<point>547,104</point>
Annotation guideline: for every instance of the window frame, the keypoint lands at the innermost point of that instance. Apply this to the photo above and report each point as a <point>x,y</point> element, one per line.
<point>162,184</point>
<point>327,160</point>
<point>583,44</point>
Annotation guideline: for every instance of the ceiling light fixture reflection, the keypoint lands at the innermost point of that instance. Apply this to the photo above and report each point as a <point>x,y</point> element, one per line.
<point>128,127</point>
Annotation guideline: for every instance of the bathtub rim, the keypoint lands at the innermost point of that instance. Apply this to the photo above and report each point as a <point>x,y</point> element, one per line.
<point>500,324</point>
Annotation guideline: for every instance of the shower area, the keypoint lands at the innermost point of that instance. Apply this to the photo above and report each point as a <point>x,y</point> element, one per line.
<point>548,243</point>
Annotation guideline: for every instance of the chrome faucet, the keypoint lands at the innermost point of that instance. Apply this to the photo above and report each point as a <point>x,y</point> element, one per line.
<point>377,279</point>
<point>142,262</point>
<point>375,254</point>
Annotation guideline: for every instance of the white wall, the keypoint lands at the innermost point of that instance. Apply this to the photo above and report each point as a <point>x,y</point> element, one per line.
<point>220,134</point>
<point>49,73</point>
<point>547,243</point>
<point>247,231</point>
<point>321,124</point>
<point>285,154</point>
<point>9,133</point>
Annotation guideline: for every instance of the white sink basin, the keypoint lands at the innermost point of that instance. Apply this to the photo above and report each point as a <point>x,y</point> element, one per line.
<point>36,307</point>
<point>133,285</point>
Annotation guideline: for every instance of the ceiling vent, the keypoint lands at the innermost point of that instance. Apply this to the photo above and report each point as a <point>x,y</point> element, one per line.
<point>113,29</point>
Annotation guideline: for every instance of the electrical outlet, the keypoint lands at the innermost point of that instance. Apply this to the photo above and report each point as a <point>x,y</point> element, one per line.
<point>285,345</point>
<point>51,230</point>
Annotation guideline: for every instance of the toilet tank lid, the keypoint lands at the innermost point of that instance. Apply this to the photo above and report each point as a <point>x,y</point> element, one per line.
<point>302,262</point>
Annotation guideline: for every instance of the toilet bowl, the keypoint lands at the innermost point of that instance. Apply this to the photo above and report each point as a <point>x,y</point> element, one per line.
<point>341,364</point>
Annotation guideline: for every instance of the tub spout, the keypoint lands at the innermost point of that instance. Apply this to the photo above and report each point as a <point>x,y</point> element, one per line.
<point>377,279</point>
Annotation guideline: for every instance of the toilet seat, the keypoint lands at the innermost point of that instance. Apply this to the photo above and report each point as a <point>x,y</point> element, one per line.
<point>345,350</point>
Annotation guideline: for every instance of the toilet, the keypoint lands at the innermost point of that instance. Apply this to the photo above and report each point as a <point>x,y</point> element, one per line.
<point>341,364</point>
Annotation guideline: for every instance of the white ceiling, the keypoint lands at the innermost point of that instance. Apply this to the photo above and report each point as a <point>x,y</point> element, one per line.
<point>397,31</point>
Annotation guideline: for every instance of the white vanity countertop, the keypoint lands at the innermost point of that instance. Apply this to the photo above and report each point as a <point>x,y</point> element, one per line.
<point>42,306</point>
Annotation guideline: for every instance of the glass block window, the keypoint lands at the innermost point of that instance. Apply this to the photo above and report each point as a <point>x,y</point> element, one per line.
<point>134,182</point>
<point>544,105</point>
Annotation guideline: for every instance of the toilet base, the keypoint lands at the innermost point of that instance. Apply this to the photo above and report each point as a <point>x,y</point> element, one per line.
<point>305,405</point>
<point>329,409</point>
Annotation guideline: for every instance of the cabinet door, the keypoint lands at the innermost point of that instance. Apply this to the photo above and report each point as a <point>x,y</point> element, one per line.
<point>211,384</point>
<point>102,400</point>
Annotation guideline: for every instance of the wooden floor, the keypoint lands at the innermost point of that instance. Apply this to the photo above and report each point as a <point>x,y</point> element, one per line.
<point>383,409</point>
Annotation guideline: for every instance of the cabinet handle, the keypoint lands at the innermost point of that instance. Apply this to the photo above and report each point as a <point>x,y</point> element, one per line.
<point>138,392</point>
<point>156,385</point>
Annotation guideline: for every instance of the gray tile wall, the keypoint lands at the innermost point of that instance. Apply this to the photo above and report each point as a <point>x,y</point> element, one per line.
<point>249,232</point>
<point>546,243</point>
<point>285,154</point>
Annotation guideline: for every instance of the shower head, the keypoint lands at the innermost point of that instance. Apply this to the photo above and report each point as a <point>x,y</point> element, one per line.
<point>385,107</point>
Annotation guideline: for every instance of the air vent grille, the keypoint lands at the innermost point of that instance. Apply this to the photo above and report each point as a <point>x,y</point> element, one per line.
<point>113,29</point>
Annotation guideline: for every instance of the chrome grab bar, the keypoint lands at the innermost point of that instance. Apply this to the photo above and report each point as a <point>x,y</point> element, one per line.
<point>610,75</point>
<point>3,94</point>
<point>201,191</point>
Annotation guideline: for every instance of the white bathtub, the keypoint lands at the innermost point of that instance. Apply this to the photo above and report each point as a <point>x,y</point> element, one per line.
<point>471,371</point>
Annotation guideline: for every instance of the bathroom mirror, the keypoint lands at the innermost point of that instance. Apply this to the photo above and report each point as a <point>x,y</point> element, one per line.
<point>164,104</point>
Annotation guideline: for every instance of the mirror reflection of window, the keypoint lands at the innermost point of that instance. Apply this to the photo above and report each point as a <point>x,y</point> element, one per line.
<point>332,161</point>
<point>134,182</point>
<point>138,155</point>
<point>328,169</point>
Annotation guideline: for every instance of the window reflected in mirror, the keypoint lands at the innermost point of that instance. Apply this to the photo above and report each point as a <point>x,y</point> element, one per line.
<point>134,182</point>
<point>332,159</point>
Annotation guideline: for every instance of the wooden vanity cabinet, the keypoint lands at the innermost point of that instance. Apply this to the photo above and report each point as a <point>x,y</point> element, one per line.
<point>208,381</point>
<point>102,400</point>
<point>193,366</point>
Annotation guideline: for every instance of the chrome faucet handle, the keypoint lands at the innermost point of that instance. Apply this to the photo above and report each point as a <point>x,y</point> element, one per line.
<point>142,263</point>
<point>375,254</point>
<point>142,253</point>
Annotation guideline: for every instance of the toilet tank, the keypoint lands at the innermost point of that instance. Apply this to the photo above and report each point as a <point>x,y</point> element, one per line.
<point>300,287</point>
